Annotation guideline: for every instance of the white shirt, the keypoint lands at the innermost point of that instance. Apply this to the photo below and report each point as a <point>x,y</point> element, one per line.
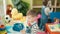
<point>48,11</point>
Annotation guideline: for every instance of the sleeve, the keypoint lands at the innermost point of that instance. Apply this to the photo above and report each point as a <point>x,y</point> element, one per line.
<point>48,11</point>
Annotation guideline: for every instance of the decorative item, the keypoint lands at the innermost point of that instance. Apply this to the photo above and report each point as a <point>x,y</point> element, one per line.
<point>7,18</point>
<point>17,16</point>
<point>21,6</point>
<point>2,27</point>
<point>8,10</point>
<point>18,27</point>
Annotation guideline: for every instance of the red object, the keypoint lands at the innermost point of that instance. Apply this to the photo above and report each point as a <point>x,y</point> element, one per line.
<point>2,26</point>
<point>49,31</point>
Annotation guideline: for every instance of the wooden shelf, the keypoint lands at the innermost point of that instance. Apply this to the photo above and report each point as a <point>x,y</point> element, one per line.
<point>57,6</point>
<point>41,6</point>
<point>37,6</point>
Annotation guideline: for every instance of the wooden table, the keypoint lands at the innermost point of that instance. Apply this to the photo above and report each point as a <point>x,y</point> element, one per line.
<point>52,30</point>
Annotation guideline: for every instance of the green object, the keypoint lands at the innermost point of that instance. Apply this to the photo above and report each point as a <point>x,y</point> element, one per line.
<point>22,6</point>
<point>59,25</point>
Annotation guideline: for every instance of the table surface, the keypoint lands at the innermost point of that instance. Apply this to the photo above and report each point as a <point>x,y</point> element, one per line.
<point>53,27</point>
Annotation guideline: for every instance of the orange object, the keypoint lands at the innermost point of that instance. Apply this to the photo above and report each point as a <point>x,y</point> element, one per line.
<point>2,26</point>
<point>49,31</point>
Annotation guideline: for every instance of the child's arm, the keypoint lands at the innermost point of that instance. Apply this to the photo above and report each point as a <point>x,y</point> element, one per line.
<point>51,10</point>
<point>48,11</point>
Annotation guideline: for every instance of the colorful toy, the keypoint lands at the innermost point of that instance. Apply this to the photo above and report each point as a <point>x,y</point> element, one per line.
<point>17,16</point>
<point>2,27</point>
<point>7,18</point>
<point>23,19</point>
<point>18,27</point>
<point>8,9</point>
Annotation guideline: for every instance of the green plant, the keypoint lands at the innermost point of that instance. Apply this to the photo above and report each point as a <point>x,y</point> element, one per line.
<point>22,6</point>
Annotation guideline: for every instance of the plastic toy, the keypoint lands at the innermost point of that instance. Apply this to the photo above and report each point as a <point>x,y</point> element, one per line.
<point>7,18</point>
<point>17,16</point>
<point>23,19</point>
<point>8,9</point>
<point>18,27</point>
<point>2,27</point>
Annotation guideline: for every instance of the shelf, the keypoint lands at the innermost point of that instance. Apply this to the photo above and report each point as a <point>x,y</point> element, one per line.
<point>37,6</point>
<point>53,7</point>
<point>41,6</point>
<point>57,6</point>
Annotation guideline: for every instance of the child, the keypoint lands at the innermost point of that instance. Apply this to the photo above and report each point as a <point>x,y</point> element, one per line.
<point>56,21</point>
<point>45,12</point>
<point>31,17</point>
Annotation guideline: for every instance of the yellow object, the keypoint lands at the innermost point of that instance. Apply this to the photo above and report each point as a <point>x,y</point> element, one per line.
<point>20,15</point>
<point>17,16</point>
<point>23,19</point>
<point>14,11</point>
<point>3,32</point>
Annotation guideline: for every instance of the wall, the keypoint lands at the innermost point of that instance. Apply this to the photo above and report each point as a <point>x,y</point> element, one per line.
<point>10,2</point>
